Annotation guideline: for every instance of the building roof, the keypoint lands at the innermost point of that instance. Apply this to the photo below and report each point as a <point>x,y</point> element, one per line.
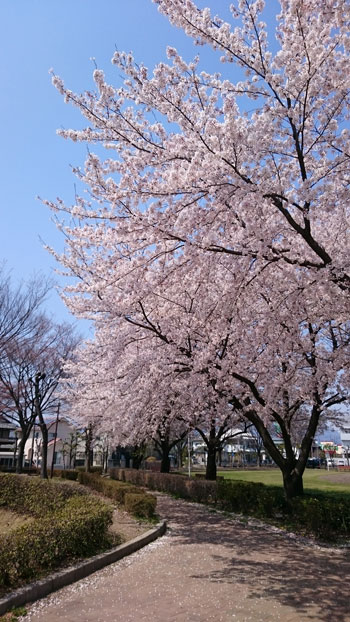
<point>6,423</point>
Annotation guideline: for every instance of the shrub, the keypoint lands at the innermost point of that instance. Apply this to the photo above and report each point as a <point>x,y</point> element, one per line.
<point>135,501</point>
<point>152,464</point>
<point>78,529</point>
<point>251,498</point>
<point>88,478</point>
<point>110,488</point>
<point>75,526</point>
<point>31,495</point>
<point>93,469</point>
<point>70,474</point>
<point>323,516</point>
<point>141,505</point>
<point>201,491</point>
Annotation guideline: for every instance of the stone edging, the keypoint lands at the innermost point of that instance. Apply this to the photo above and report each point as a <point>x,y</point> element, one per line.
<point>55,581</point>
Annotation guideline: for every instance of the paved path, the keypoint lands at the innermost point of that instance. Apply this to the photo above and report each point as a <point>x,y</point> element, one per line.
<point>209,567</point>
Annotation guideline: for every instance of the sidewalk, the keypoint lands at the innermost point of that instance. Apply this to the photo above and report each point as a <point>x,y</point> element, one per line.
<point>209,567</point>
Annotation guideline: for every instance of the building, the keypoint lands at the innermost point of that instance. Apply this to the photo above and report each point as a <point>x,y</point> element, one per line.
<point>8,442</point>
<point>65,448</point>
<point>345,439</point>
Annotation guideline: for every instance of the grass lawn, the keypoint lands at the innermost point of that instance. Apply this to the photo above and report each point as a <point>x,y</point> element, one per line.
<point>319,480</point>
<point>10,520</point>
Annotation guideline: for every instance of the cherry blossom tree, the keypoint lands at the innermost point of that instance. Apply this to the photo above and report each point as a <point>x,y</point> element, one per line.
<point>217,227</point>
<point>145,386</point>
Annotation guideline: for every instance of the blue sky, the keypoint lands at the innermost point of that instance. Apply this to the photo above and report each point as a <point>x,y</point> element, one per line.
<point>37,35</point>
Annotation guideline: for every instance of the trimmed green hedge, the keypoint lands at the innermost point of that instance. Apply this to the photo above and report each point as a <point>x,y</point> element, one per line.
<point>322,516</point>
<point>93,469</point>
<point>141,505</point>
<point>325,517</point>
<point>144,506</point>
<point>109,488</point>
<point>198,490</point>
<point>72,524</point>
<point>251,498</point>
<point>31,495</point>
<point>70,474</point>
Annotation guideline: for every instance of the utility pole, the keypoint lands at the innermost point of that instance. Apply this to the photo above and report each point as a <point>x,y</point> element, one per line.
<point>54,442</point>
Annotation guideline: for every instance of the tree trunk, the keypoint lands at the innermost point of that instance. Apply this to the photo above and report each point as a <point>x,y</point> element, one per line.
<point>292,468</point>
<point>165,463</point>
<point>43,469</point>
<point>43,427</point>
<point>211,462</point>
<point>88,452</point>
<point>293,484</point>
<point>137,458</point>
<point>20,455</point>
<point>259,457</point>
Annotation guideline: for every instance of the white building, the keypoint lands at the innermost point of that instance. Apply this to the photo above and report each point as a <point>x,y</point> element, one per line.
<point>65,445</point>
<point>8,442</point>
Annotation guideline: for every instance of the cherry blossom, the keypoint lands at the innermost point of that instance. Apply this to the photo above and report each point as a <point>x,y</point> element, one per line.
<point>212,249</point>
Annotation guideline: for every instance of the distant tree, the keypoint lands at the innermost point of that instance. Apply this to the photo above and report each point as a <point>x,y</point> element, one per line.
<point>138,455</point>
<point>88,437</point>
<point>46,373</point>
<point>257,444</point>
<point>69,449</point>
<point>22,326</point>
<point>20,308</point>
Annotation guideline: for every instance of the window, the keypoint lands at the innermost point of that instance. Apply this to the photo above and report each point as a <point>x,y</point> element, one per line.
<point>57,458</point>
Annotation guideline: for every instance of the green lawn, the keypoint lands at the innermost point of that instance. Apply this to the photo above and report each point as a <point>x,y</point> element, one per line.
<point>314,479</point>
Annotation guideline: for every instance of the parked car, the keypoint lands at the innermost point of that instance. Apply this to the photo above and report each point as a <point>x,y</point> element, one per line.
<point>313,463</point>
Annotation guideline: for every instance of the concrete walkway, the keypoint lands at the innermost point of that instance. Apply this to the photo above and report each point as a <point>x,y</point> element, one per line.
<point>209,567</point>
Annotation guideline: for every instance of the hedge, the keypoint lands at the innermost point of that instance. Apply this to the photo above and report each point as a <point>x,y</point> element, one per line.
<point>323,516</point>
<point>144,506</point>
<point>93,469</point>
<point>72,524</point>
<point>31,495</point>
<point>141,505</point>
<point>109,488</point>
<point>202,491</point>
<point>70,474</point>
<point>252,498</point>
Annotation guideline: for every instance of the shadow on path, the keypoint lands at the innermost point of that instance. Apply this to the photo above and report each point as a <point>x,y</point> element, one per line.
<point>313,580</point>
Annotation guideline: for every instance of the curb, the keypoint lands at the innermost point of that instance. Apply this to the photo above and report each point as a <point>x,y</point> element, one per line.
<point>57,580</point>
